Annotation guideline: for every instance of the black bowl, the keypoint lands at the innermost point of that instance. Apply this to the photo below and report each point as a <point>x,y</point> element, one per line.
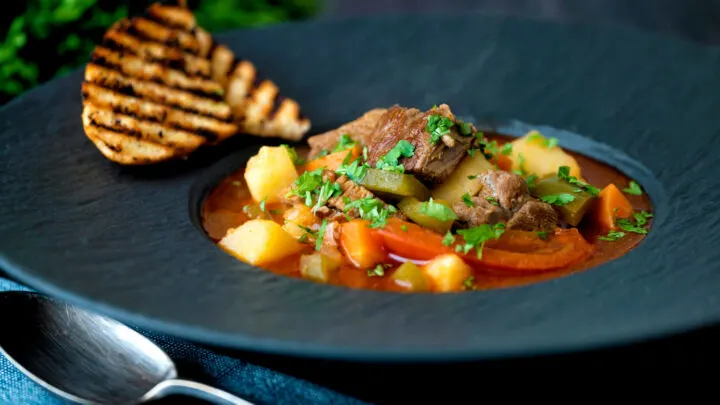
<point>123,242</point>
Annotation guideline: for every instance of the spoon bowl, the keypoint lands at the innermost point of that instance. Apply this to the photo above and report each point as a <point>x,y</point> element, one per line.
<point>87,358</point>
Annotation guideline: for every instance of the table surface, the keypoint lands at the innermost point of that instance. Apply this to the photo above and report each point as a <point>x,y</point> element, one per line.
<point>697,20</point>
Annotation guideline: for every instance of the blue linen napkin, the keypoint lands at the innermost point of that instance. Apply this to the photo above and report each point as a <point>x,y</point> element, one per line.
<point>253,383</point>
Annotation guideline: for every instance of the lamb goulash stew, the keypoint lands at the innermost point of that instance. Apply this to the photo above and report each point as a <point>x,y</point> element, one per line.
<point>412,201</point>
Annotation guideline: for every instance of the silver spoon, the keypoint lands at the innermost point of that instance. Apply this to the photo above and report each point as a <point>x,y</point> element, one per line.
<point>88,358</point>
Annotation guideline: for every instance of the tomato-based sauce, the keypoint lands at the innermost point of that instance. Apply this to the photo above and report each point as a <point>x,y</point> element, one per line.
<point>224,209</point>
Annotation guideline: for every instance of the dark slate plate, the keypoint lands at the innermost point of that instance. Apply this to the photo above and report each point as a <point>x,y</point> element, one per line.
<point>125,242</point>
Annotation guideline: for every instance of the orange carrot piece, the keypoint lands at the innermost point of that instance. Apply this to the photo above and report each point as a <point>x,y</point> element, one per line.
<point>334,160</point>
<point>611,204</point>
<point>360,245</point>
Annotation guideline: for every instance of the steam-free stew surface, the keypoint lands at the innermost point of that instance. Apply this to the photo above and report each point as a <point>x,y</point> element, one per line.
<point>223,209</point>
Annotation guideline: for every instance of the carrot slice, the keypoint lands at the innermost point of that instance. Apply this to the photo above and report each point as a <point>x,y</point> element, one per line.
<point>334,160</point>
<point>360,245</point>
<point>611,204</point>
<point>514,251</point>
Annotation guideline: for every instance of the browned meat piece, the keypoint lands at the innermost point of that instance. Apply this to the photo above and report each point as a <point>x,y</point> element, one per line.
<point>332,234</point>
<point>482,213</point>
<point>431,162</point>
<point>508,189</point>
<point>359,130</point>
<point>505,198</point>
<point>534,216</point>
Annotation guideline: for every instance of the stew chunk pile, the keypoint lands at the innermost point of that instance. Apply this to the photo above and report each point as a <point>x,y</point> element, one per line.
<point>421,201</point>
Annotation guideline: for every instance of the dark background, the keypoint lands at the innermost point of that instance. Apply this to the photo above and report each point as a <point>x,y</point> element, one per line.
<point>46,38</point>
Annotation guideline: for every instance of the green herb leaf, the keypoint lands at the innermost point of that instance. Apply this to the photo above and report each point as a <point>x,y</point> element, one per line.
<point>492,200</point>
<point>477,236</point>
<point>542,235</point>
<point>404,228</point>
<point>321,234</point>
<point>564,173</point>
<point>491,148</point>
<point>472,177</point>
<point>468,200</point>
<point>469,283</point>
<point>558,199</point>
<point>449,239</point>
<point>355,171</point>
<point>546,142</point>
<point>633,188</point>
<point>390,161</point>
<point>327,191</point>
<point>642,217</point>
<point>262,204</point>
<point>521,164</point>
<point>628,226</point>
<point>365,153</point>
<point>378,271</point>
<point>437,126</point>
<point>438,211</point>
<point>373,210</point>
<point>275,212</point>
<point>506,149</point>
<point>345,142</point>
<point>307,183</point>
<point>612,236</point>
<point>465,128</point>
<point>293,155</point>
<point>530,180</point>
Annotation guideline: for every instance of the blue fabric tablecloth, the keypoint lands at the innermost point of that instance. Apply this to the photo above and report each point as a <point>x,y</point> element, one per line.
<point>257,384</point>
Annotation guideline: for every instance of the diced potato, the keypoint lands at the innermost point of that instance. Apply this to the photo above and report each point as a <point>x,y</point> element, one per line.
<point>532,152</point>
<point>463,180</point>
<point>448,272</point>
<point>318,267</point>
<point>269,173</point>
<point>299,215</point>
<point>260,241</point>
<point>411,277</point>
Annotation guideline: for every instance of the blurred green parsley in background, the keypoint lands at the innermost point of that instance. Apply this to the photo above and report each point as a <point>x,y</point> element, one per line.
<point>46,38</point>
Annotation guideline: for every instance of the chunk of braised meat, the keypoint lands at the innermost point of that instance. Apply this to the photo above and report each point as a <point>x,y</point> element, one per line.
<point>331,238</point>
<point>359,130</point>
<point>505,198</point>
<point>481,212</point>
<point>534,215</point>
<point>431,162</point>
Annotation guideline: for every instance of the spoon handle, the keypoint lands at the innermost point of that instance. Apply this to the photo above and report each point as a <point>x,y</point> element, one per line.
<point>194,389</point>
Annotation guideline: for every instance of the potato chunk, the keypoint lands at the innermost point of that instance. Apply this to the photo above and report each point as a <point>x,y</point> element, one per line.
<point>448,272</point>
<point>269,173</point>
<point>535,154</point>
<point>465,179</point>
<point>260,241</point>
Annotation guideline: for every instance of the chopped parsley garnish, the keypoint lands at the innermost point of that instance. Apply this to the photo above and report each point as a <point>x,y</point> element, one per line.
<point>546,142</point>
<point>404,228</point>
<point>506,149</point>
<point>492,200</point>
<point>293,155</point>
<point>564,173</point>
<point>373,210</point>
<point>628,226</point>
<point>438,211</point>
<point>477,236</point>
<point>469,283</point>
<point>345,142</point>
<point>491,148</point>
<point>465,128</point>
<point>473,151</point>
<point>472,177</point>
<point>321,234</point>
<point>390,161</point>
<point>558,199</point>
<point>378,271</point>
<point>542,235</point>
<point>449,239</point>
<point>246,208</point>
<point>322,153</point>
<point>311,184</point>
<point>612,236</point>
<point>365,153</point>
<point>641,217</point>
<point>633,188</point>
<point>275,212</point>
<point>530,180</point>
<point>438,126</point>
<point>467,200</point>
<point>307,234</point>
<point>355,171</point>
<point>262,204</point>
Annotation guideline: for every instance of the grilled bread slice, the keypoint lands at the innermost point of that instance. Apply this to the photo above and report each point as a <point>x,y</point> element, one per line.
<point>158,88</point>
